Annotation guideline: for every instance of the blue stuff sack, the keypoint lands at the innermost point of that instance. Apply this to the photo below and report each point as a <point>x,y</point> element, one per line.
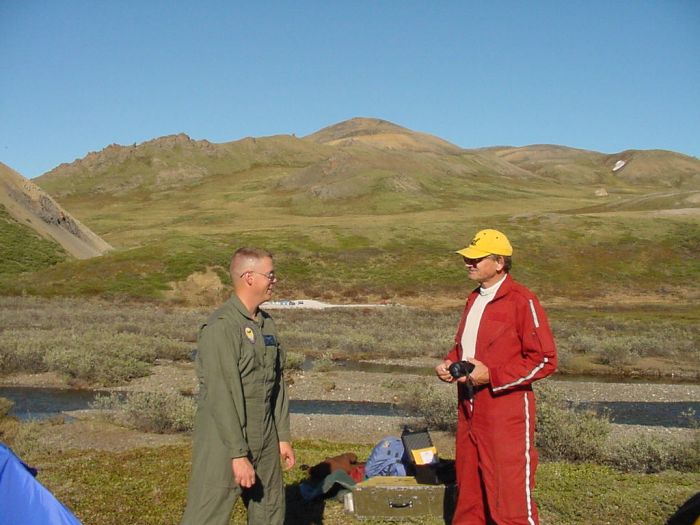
<point>386,458</point>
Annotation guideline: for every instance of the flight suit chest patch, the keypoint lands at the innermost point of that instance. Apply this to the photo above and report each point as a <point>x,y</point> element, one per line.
<point>270,340</point>
<point>250,334</point>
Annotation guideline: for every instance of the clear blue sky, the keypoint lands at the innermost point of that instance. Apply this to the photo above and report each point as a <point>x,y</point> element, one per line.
<point>76,76</point>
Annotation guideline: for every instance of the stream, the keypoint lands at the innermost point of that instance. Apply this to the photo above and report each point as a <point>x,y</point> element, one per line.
<point>40,403</point>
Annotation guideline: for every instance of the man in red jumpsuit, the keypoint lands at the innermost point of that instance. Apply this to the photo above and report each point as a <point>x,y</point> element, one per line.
<point>505,334</point>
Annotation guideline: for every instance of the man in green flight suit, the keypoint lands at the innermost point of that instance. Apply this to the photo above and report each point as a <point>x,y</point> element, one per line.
<point>241,429</point>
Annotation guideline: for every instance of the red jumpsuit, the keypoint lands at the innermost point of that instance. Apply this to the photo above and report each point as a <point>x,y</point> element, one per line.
<point>495,448</point>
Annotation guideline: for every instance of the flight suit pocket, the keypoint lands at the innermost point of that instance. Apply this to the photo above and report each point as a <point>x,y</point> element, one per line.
<point>271,353</point>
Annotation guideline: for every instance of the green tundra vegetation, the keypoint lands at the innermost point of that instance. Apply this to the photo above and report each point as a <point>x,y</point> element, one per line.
<point>366,210</point>
<point>148,487</point>
<point>22,250</point>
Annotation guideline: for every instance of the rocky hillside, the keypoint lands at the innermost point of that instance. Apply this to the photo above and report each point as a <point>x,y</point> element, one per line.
<point>361,156</point>
<point>29,205</point>
<point>171,163</point>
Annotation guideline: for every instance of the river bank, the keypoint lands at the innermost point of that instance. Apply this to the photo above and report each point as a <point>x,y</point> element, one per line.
<point>340,385</point>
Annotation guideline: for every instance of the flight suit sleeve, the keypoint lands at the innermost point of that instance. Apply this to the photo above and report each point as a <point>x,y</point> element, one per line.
<point>538,354</point>
<point>219,349</point>
<point>281,408</point>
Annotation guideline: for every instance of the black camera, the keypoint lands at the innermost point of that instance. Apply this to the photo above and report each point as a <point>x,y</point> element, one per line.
<point>460,369</point>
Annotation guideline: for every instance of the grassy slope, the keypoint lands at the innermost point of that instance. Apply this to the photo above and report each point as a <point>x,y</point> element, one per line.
<point>576,256</point>
<point>357,222</point>
<point>22,250</point>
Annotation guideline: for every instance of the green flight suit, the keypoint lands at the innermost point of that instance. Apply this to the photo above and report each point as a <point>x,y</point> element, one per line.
<point>242,410</point>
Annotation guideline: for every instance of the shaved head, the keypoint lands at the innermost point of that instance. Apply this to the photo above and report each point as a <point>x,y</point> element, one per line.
<point>245,259</point>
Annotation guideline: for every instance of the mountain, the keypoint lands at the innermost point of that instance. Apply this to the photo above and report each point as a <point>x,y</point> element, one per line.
<point>362,166</point>
<point>172,162</point>
<point>383,135</point>
<point>367,209</point>
<point>653,167</point>
<point>29,205</point>
<point>389,168</point>
<point>356,158</point>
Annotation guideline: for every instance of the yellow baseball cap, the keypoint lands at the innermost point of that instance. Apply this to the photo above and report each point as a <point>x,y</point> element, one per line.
<point>487,242</point>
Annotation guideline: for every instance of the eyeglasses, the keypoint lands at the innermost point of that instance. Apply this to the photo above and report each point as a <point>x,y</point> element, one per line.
<point>474,262</point>
<point>270,275</point>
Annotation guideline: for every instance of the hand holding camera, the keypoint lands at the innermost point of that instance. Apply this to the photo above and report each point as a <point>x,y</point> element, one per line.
<point>460,369</point>
<point>449,371</point>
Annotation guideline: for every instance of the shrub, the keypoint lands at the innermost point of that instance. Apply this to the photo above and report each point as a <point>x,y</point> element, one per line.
<point>358,343</point>
<point>618,351</point>
<point>685,455</point>
<point>109,402</point>
<point>178,326</point>
<point>642,454</point>
<point>690,418</point>
<point>620,342</point>
<point>5,407</point>
<point>435,403</point>
<point>9,425</point>
<point>582,342</point>
<point>167,348</point>
<point>639,454</point>
<point>295,361</point>
<point>24,350</point>
<point>92,355</point>
<point>564,434</point>
<point>649,454</point>
<point>158,412</point>
<point>363,332</point>
<point>161,412</point>
<point>625,349</point>
<point>324,363</point>
<point>24,438</point>
<point>100,357</point>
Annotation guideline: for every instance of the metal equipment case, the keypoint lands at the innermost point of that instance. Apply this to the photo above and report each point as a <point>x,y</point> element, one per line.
<point>397,497</point>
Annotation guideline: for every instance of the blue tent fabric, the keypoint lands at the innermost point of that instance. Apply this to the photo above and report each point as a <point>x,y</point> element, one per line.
<point>25,501</point>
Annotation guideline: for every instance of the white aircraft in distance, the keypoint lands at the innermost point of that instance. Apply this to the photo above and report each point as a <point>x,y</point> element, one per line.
<point>619,165</point>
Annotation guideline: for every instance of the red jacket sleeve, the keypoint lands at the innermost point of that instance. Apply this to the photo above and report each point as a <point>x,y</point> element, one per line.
<point>538,355</point>
<point>453,354</point>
